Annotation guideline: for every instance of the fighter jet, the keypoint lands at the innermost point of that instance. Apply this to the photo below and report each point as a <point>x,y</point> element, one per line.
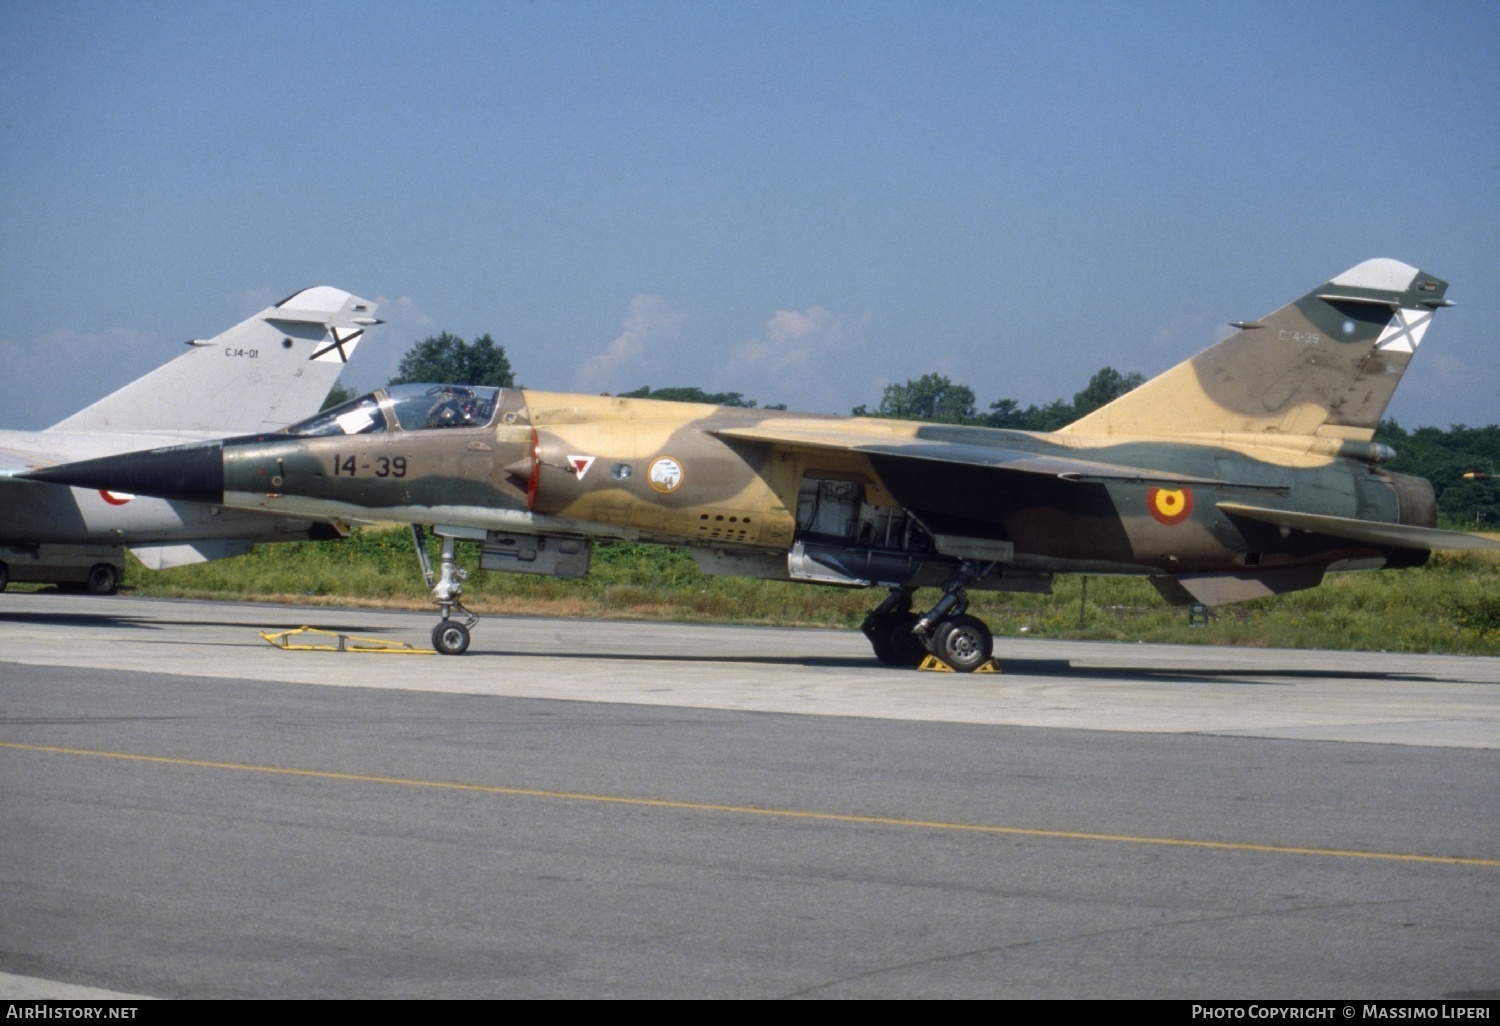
<point>1247,470</point>
<point>265,373</point>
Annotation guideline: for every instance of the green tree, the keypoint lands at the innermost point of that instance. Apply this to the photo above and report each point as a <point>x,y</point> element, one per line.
<point>930,397</point>
<point>449,359</point>
<point>1444,457</point>
<point>1006,413</point>
<point>1105,386</point>
<point>338,395</point>
<point>1050,417</point>
<point>690,394</point>
<point>935,398</point>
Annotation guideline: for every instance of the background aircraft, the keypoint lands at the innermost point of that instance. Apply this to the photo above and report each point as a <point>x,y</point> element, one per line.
<point>260,375</point>
<point>1248,470</point>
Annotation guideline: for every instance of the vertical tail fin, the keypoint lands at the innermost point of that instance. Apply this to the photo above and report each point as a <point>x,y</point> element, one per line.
<point>262,374</point>
<point>1325,364</point>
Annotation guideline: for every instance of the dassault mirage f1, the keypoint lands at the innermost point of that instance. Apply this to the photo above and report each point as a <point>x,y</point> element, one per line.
<point>269,371</point>
<point>1247,470</point>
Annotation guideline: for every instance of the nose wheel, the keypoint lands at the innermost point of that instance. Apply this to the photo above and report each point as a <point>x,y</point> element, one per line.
<point>450,636</point>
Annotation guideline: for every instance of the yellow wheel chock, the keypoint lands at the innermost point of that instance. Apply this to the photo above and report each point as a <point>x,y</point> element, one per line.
<point>935,665</point>
<point>345,643</point>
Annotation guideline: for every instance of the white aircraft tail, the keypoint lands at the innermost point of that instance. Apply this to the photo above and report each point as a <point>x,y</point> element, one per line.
<point>260,375</point>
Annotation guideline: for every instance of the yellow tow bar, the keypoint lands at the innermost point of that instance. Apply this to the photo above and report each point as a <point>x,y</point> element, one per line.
<point>344,643</point>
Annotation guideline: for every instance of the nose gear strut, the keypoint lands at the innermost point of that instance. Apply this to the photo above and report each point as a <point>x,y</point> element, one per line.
<point>449,637</point>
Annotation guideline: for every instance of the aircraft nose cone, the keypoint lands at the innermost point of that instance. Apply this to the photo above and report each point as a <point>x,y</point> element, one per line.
<point>192,473</point>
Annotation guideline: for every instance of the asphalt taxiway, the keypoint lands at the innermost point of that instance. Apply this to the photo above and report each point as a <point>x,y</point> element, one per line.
<point>1391,698</point>
<point>619,809</point>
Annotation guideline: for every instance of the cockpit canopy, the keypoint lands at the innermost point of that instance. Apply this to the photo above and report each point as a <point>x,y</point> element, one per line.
<point>412,407</point>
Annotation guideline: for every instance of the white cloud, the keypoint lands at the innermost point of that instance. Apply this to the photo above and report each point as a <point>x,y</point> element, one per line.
<point>792,341</point>
<point>649,321</point>
<point>402,310</point>
<point>797,355</point>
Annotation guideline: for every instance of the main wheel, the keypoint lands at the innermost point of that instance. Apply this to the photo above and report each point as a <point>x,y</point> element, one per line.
<point>906,648</point>
<point>450,638</point>
<point>103,579</point>
<point>963,642</point>
<point>893,641</point>
<point>880,641</point>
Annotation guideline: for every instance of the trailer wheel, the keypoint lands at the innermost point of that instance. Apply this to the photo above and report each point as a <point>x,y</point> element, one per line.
<point>103,579</point>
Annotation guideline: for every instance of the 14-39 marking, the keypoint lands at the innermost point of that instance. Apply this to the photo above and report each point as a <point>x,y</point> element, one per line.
<point>385,466</point>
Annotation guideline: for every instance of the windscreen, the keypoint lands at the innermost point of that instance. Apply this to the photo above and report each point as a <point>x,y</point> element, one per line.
<point>356,417</point>
<point>420,407</point>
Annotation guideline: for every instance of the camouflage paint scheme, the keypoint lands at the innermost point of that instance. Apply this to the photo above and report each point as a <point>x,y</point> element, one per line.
<point>1247,470</point>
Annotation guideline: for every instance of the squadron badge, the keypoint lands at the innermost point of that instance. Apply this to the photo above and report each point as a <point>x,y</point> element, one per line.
<point>665,474</point>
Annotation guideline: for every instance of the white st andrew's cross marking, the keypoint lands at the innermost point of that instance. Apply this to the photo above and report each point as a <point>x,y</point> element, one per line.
<point>1403,335</point>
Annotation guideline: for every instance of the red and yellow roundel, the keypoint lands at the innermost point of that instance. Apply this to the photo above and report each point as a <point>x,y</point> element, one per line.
<point>1170,505</point>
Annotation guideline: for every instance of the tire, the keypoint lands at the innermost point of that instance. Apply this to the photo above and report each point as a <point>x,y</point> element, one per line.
<point>103,579</point>
<point>906,648</point>
<point>880,641</point>
<point>963,642</point>
<point>450,638</point>
<point>893,641</point>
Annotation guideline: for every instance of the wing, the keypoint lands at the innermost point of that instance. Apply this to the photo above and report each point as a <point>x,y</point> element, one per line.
<point>1066,468</point>
<point>16,459</point>
<point>1404,536</point>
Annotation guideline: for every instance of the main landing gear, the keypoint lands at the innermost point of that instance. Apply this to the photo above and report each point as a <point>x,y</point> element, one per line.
<point>890,626</point>
<point>449,637</point>
<point>902,638</point>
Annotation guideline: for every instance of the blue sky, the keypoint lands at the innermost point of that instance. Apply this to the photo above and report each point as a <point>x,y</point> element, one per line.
<point>802,202</point>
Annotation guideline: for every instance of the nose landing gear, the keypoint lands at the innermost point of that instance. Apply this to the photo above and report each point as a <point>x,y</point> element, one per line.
<point>449,637</point>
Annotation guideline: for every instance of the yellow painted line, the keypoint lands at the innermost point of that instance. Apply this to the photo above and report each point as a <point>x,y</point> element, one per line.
<point>750,810</point>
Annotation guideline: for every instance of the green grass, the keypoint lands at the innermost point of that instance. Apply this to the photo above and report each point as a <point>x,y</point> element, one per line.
<point>1451,605</point>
